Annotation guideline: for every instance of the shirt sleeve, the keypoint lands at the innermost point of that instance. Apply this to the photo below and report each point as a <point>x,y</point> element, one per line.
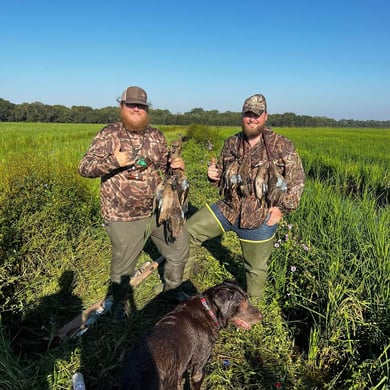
<point>99,160</point>
<point>295,178</point>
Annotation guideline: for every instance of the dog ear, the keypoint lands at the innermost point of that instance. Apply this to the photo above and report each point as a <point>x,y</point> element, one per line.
<point>226,299</point>
<point>234,286</point>
<point>227,290</point>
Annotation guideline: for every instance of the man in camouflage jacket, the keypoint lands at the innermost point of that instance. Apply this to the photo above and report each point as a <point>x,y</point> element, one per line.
<point>131,158</point>
<point>261,177</point>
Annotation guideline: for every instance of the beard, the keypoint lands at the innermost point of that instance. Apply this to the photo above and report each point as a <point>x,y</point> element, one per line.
<point>252,131</point>
<point>133,121</point>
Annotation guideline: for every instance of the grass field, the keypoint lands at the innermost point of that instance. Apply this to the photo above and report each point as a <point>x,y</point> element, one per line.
<point>327,308</point>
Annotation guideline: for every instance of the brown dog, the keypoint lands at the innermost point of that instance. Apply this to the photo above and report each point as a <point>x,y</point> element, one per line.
<point>183,339</point>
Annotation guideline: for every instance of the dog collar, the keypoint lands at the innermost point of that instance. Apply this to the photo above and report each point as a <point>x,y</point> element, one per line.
<point>209,311</point>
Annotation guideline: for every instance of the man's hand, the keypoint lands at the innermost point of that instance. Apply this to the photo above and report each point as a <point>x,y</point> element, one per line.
<point>177,163</point>
<point>123,158</point>
<point>213,173</point>
<point>275,215</point>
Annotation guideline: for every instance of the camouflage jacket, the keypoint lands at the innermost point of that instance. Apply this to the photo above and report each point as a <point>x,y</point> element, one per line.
<point>248,209</point>
<point>123,197</point>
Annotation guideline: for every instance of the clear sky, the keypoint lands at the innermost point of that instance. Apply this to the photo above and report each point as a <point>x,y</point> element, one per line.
<point>311,57</point>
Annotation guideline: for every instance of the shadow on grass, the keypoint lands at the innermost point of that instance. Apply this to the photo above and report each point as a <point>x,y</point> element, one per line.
<point>32,334</point>
<point>106,344</point>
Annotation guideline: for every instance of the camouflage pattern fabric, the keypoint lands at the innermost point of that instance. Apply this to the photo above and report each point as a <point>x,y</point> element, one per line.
<point>244,163</point>
<point>126,195</point>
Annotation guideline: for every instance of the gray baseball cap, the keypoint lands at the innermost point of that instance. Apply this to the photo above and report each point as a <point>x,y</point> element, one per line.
<point>256,104</point>
<point>134,95</point>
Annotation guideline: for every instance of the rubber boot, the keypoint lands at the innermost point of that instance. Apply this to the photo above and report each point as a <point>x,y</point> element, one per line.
<point>202,226</point>
<point>172,289</point>
<point>120,292</point>
<point>256,255</point>
<point>172,275</point>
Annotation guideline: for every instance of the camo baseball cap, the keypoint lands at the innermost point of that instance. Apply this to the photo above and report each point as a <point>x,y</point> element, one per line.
<point>256,104</point>
<point>134,95</point>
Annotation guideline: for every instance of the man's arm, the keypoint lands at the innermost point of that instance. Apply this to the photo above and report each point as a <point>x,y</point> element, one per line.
<point>100,159</point>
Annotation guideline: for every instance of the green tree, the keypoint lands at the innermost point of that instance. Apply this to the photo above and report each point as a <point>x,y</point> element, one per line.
<point>6,111</point>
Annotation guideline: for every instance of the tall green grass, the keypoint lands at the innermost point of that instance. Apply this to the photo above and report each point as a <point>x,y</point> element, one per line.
<point>356,160</point>
<point>333,281</point>
<point>327,306</point>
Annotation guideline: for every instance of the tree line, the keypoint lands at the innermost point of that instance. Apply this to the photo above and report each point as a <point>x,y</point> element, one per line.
<point>39,112</point>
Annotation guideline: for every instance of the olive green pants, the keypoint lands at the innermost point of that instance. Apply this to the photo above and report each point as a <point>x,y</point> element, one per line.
<point>128,240</point>
<point>204,225</point>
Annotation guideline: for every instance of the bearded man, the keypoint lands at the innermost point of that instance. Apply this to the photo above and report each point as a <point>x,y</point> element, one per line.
<point>131,158</point>
<point>261,178</point>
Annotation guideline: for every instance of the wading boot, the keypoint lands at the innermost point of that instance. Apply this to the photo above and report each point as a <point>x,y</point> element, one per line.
<point>174,296</point>
<point>256,255</point>
<point>120,292</point>
<point>202,226</point>
<point>173,291</point>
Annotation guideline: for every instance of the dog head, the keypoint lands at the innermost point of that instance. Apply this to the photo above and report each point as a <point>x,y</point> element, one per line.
<point>230,303</point>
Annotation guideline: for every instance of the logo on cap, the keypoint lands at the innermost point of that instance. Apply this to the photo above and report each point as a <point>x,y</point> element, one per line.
<point>135,95</point>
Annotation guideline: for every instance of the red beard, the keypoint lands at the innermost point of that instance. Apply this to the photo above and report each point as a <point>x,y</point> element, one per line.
<point>133,121</point>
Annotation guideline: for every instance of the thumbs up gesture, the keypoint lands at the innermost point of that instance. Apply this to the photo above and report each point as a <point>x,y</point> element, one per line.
<point>213,172</point>
<point>123,158</point>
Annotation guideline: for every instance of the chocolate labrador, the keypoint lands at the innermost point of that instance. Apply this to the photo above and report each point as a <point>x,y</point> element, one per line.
<point>183,339</point>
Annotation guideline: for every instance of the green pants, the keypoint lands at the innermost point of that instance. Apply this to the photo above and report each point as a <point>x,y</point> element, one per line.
<point>204,225</point>
<point>128,240</point>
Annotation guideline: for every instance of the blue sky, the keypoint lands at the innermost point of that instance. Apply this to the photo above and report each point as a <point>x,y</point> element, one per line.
<point>318,58</point>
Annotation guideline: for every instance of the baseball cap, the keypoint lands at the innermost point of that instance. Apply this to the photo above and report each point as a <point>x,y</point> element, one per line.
<point>256,104</point>
<point>134,95</point>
